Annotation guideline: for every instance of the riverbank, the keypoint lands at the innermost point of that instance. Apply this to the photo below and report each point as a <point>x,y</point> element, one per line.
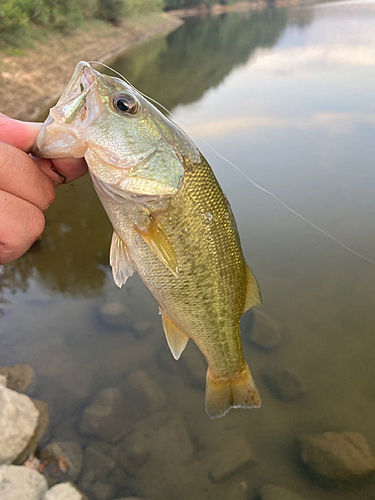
<point>31,82</point>
<point>241,6</point>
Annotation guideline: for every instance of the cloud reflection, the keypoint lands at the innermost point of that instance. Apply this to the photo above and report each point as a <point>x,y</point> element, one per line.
<point>329,123</point>
<point>309,57</point>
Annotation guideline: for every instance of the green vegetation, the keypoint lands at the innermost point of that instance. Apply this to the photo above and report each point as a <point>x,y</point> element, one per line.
<point>23,19</point>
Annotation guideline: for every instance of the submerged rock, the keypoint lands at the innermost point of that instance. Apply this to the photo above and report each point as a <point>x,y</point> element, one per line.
<point>233,454</point>
<point>261,330</point>
<point>21,483</point>
<point>98,462</point>
<point>134,451</point>
<point>284,384</point>
<point>170,470</point>
<point>106,417</point>
<point>18,424</point>
<point>272,492</point>
<point>19,377</point>
<point>173,440</point>
<point>70,452</point>
<point>143,394</point>
<point>336,456</point>
<point>100,491</point>
<point>143,328</point>
<point>86,480</point>
<point>64,491</point>
<point>116,315</point>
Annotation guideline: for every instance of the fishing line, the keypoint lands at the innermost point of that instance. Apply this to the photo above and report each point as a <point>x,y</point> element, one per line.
<point>258,186</point>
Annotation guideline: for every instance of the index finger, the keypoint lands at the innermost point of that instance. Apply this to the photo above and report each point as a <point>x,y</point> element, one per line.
<point>19,134</point>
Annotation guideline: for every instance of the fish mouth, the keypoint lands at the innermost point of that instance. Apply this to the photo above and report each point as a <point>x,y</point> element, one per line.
<point>55,139</point>
<point>83,78</point>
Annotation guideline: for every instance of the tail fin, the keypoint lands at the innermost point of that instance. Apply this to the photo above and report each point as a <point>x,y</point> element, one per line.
<point>238,391</point>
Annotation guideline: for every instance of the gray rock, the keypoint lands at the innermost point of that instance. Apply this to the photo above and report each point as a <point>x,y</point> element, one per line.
<point>130,498</point>
<point>233,454</point>
<point>173,441</point>
<point>100,491</point>
<point>336,456</point>
<point>87,480</point>
<point>18,423</point>
<point>63,491</point>
<point>116,315</point>
<point>72,454</point>
<point>134,450</point>
<point>284,384</point>
<point>261,330</point>
<point>98,462</point>
<point>107,415</point>
<point>143,395</point>
<point>19,377</point>
<point>21,483</point>
<point>42,424</point>
<point>170,471</point>
<point>272,492</point>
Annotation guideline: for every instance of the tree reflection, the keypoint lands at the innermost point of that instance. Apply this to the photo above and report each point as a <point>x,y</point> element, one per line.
<point>179,68</point>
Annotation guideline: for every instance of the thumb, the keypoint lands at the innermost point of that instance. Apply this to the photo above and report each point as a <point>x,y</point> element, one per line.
<point>19,134</point>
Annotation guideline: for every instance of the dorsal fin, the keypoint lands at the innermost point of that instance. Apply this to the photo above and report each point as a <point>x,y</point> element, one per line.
<point>253,297</point>
<point>176,339</point>
<point>120,261</point>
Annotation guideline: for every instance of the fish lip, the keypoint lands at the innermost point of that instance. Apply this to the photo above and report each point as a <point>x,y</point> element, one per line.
<point>87,77</point>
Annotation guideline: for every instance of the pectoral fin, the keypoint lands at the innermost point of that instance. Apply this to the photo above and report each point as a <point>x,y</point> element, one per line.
<point>176,339</point>
<point>159,244</point>
<point>253,297</point>
<point>120,261</point>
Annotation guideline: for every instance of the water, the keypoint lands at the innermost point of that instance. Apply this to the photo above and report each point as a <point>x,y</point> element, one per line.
<point>287,95</point>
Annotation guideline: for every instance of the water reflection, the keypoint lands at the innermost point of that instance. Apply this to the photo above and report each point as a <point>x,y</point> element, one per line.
<point>179,68</point>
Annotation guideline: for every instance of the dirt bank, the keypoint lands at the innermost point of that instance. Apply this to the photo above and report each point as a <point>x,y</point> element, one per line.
<point>241,6</point>
<point>33,81</point>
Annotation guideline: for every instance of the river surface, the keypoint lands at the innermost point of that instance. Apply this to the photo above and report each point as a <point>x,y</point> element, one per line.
<point>288,97</point>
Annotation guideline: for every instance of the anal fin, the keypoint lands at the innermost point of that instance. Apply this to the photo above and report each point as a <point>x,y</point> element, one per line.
<point>224,393</point>
<point>176,339</point>
<point>253,297</point>
<point>120,261</point>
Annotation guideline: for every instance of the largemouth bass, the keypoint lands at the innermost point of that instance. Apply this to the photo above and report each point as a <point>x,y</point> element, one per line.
<point>172,223</point>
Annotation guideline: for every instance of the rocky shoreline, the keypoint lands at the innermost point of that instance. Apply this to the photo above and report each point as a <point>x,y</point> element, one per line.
<point>131,443</point>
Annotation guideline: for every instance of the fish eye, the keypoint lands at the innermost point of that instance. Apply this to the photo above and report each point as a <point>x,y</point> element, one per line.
<point>126,104</point>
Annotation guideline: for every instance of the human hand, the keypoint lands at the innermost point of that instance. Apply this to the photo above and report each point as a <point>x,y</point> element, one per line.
<point>27,186</point>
